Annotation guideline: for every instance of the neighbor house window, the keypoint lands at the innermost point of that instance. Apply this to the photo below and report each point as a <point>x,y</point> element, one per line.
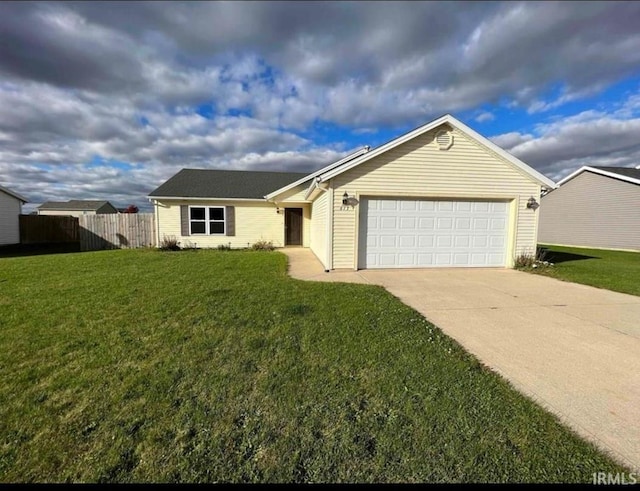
<point>207,220</point>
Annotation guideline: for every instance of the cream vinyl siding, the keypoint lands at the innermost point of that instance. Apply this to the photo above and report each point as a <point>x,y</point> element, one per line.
<point>253,221</point>
<point>592,210</point>
<point>68,213</point>
<point>418,168</point>
<point>10,208</point>
<point>318,243</point>
<point>295,195</point>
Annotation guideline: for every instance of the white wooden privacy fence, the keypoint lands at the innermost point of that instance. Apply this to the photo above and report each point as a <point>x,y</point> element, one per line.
<point>117,231</point>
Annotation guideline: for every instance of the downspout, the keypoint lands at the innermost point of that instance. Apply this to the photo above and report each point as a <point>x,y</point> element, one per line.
<point>157,220</point>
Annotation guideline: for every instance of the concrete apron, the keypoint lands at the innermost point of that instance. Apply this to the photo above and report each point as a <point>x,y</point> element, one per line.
<point>572,348</point>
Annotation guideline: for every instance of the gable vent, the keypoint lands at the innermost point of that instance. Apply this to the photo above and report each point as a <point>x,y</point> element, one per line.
<point>444,140</point>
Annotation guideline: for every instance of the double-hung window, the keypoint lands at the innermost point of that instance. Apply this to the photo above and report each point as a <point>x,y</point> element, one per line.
<point>207,220</point>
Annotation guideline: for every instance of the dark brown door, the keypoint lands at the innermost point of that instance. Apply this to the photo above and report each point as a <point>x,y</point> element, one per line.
<point>293,226</point>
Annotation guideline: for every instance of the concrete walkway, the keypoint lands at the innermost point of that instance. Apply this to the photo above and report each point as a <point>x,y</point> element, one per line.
<point>574,349</point>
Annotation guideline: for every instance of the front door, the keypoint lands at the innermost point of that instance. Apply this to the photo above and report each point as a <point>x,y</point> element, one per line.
<point>293,226</point>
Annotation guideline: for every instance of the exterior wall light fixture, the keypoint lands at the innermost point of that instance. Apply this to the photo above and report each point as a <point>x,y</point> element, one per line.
<point>345,199</point>
<point>532,204</point>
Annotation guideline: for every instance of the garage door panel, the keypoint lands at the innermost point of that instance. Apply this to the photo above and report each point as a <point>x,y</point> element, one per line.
<point>407,241</point>
<point>408,223</point>
<point>444,223</point>
<point>461,259</point>
<point>425,241</point>
<point>406,260</point>
<point>463,223</point>
<point>496,241</point>
<point>425,259</point>
<point>388,223</point>
<point>496,259</point>
<point>428,233</point>
<point>426,223</point>
<point>388,241</point>
<point>462,241</point>
<point>444,241</point>
<point>498,224</point>
<point>478,259</point>
<point>387,259</point>
<point>481,224</point>
<point>480,241</point>
<point>443,259</point>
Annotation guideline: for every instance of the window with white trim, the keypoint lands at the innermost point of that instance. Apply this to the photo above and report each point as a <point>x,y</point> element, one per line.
<point>207,220</point>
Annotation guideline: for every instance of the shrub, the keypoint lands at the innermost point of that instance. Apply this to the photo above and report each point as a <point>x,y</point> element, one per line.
<point>263,245</point>
<point>169,243</point>
<point>529,260</point>
<point>224,247</point>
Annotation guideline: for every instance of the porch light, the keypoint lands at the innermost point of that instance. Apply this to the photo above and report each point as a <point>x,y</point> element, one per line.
<point>532,204</point>
<point>345,198</point>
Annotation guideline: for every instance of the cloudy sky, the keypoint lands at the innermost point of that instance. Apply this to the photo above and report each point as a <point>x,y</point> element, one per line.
<point>108,100</point>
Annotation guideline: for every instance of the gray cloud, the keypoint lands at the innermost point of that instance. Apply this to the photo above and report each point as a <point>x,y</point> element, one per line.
<point>589,138</point>
<point>119,82</point>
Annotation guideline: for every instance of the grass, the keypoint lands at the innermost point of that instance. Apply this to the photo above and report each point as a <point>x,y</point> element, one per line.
<point>201,366</point>
<point>614,270</point>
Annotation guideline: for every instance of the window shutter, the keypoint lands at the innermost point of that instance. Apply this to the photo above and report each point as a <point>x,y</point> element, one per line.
<point>184,220</point>
<point>230,220</point>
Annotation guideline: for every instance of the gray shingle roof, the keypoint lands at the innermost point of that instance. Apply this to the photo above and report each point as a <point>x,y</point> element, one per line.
<point>623,171</point>
<point>207,183</point>
<point>74,204</point>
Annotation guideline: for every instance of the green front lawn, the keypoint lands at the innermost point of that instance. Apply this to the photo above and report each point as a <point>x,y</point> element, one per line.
<point>143,365</point>
<point>614,270</point>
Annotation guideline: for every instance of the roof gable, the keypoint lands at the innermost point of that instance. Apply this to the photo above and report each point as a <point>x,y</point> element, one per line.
<point>226,184</point>
<point>453,122</point>
<point>627,174</point>
<point>14,194</point>
<point>327,168</point>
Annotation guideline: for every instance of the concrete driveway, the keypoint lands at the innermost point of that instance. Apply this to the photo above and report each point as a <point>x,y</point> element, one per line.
<point>574,349</point>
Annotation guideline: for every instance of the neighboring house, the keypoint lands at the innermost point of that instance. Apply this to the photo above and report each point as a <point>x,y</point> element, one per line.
<point>440,195</point>
<point>10,209</point>
<point>76,207</point>
<point>593,207</point>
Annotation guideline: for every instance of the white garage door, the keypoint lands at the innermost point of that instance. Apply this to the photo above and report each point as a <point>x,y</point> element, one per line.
<point>409,233</point>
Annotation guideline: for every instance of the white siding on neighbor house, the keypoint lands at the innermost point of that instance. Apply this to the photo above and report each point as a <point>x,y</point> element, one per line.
<point>68,213</point>
<point>418,168</point>
<point>10,209</point>
<point>592,210</point>
<point>254,221</point>
<point>318,242</point>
